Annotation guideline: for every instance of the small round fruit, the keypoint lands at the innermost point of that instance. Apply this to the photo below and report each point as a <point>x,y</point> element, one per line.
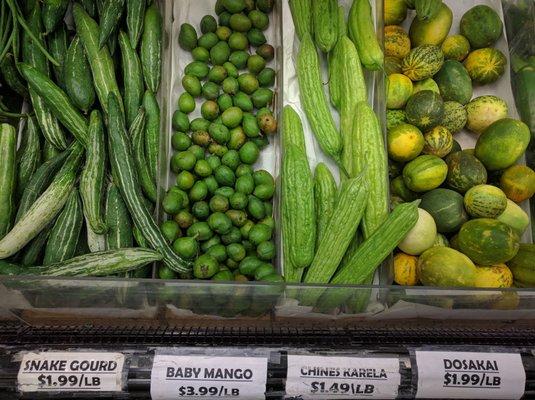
<point>186,247</point>
<point>405,142</point>
<point>398,90</point>
<point>249,153</point>
<point>455,47</point>
<point>518,183</point>
<point>205,267</point>
<point>438,142</point>
<point>170,229</point>
<point>405,269</point>
<point>220,223</point>
<point>421,237</point>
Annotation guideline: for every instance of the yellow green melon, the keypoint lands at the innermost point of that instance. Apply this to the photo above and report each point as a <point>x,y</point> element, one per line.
<point>396,41</point>
<point>405,142</point>
<point>398,91</point>
<point>518,182</point>
<point>455,47</point>
<point>438,141</point>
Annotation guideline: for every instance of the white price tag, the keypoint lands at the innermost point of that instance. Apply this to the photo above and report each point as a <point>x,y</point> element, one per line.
<point>208,377</point>
<point>469,375</point>
<point>71,372</point>
<point>323,377</point>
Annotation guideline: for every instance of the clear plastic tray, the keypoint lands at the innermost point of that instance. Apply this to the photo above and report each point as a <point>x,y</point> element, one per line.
<point>117,301</point>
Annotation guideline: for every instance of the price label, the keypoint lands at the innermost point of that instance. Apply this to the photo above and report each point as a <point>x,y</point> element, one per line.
<point>184,377</point>
<point>323,377</point>
<point>71,372</point>
<point>469,375</point>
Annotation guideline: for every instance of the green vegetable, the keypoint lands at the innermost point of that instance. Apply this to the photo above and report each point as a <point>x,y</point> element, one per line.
<point>103,263</point>
<point>133,86</point>
<point>92,177</point>
<point>57,44</point>
<point>53,12</point>
<point>32,55</point>
<point>377,247</point>
<point>368,139</point>
<point>302,17</point>
<point>28,155</point>
<point>57,101</point>
<point>485,201</point>
<point>39,182</point>
<point>45,208</point>
<point>314,101</point>
<point>135,13</point>
<point>324,198</point>
<point>137,136</point>
<point>152,132</point>
<point>325,22</point>
<point>8,176</point>
<point>64,235</point>
<point>340,229</point>
<point>77,76</point>
<point>119,234</point>
<point>442,266</point>
<point>298,214</point>
<point>362,33</point>
<point>109,17</point>
<point>151,48</point>
<point>11,75</point>
<point>123,171</point>
<point>99,58</point>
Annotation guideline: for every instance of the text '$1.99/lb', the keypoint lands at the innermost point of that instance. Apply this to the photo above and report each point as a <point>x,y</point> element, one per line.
<point>71,372</point>
<point>469,375</point>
